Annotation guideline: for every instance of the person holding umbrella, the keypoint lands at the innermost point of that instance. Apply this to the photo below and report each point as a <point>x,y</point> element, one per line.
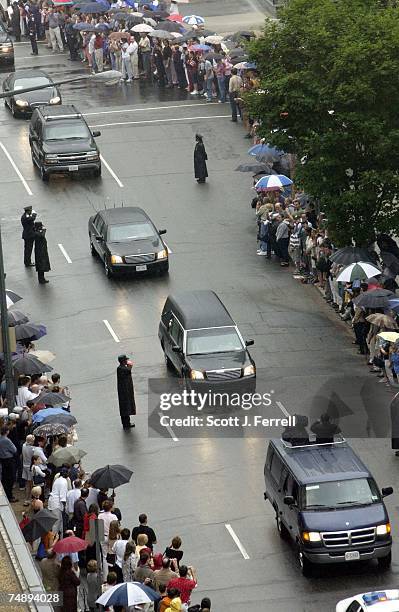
<point>127,404</point>
<point>200,157</point>
<point>42,261</point>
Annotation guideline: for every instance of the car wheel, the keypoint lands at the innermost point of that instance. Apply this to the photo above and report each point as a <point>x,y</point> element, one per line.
<point>97,172</point>
<point>107,270</point>
<point>384,563</point>
<point>13,110</point>
<point>305,565</point>
<point>43,174</point>
<point>92,249</point>
<point>164,269</point>
<point>281,528</point>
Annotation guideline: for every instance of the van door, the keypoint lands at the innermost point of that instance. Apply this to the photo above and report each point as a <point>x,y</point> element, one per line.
<point>290,513</point>
<point>276,468</point>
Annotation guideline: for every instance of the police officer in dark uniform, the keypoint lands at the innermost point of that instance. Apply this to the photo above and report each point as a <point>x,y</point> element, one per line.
<point>28,234</point>
<point>72,39</point>
<point>32,31</point>
<point>127,404</point>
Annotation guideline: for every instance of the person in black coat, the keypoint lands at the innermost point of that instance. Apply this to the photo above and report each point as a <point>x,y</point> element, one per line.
<point>42,261</point>
<point>200,157</point>
<point>127,404</point>
<point>32,31</point>
<point>28,234</point>
<point>394,409</point>
<point>16,21</point>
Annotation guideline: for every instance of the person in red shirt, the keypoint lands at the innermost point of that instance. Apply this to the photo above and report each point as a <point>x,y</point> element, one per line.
<point>186,583</point>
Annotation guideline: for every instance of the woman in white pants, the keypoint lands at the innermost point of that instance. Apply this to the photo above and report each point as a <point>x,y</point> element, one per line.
<point>126,64</point>
<point>133,49</point>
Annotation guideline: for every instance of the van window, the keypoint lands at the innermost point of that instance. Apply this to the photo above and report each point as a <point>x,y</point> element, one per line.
<point>340,493</point>
<point>276,468</point>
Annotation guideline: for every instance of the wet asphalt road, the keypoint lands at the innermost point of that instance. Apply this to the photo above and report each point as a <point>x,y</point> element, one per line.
<point>189,487</point>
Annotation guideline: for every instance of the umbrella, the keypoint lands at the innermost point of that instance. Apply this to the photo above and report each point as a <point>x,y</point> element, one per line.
<point>389,336</point>
<point>29,331</point>
<point>252,167</point>
<point>102,27</point>
<point>29,364</point>
<point>213,39</point>
<point>176,35</point>
<point>196,34</point>
<point>128,594</point>
<point>65,417</point>
<point>357,271</point>
<point>84,27</point>
<point>237,52</point>
<point>50,429</point>
<point>150,22</point>
<point>170,26</point>
<point>69,455</point>
<point>16,317</point>
<point>374,299</point>
<point>142,27</point>
<point>119,35</point>
<point>93,8</point>
<point>70,544</point>
<point>390,261</point>
<point>40,416</point>
<point>242,34</point>
<point>273,182</point>
<point>111,476</point>
<point>44,356</point>
<point>122,16</point>
<point>50,398</point>
<point>382,320</point>
<point>12,298</point>
<point>40,524</point>
<point>199,48</point>
<point>240,60</point>
<point>177,18</point>
<point>245,66</point>
<point>193,20</point>
<point>161,34</point>
<point>350,254</point>
<point>267,152</point>
<point>213,56</point>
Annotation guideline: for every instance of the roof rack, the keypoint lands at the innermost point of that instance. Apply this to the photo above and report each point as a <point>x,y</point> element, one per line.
<point>51,113</point>
<point>313,444</point>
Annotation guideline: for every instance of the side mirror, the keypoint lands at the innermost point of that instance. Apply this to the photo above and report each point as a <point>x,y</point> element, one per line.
<point>160,232</point>
<point>289,500</point>
<point>34,138</point>
<point>96,134</point>
<point>99,238</point>
<point>249,342</point>
<point>176,349</point>
<point>386,491</point>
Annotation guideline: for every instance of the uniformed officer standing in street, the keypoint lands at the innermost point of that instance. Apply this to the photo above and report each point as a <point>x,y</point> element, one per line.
<point>28,234</point>
<point>127,404</point>
<point>32,31</point>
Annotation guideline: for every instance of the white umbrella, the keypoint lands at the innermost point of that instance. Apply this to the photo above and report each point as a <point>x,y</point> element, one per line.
<point>12,297</point>
<point>125,594</point>
<point>142,27</point>
<point>213,40</point>
<point>359,270</point>
<point>44,356</point>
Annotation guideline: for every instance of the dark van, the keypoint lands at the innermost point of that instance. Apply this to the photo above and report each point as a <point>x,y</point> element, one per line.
<point>328,503</point>
<point>201,342</point>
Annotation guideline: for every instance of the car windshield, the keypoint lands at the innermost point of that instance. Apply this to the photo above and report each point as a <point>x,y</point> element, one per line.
<point>339,493</point>
<point>130,231</point>
<point>216,340</point>
<point>66,131</point>
<point>30,82</point>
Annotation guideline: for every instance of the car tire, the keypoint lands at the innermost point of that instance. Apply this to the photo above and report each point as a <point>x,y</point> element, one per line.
<point>107,270</point>
<point>92,249</point>
<point>281,528</point>
<point>13,110</point>
<point>384,563</point>
<point>305,565</point>
<point>43,174</point>
<point>97,172</point>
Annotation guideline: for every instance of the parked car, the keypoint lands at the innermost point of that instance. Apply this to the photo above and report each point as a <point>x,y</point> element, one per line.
<point>61,141</point>
<point>127,241</point>
<point>201,341</point>
<point>23,105</point>
<point>6,49</point>
<point>374,601</point>
<point>328,503</point>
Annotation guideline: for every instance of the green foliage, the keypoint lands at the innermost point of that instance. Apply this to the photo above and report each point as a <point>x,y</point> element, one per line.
<point>330,93</point>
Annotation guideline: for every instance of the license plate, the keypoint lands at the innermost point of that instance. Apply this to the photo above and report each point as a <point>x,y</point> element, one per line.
<point>73,168</point>
<point>353,555</point>
<point>141,268</point>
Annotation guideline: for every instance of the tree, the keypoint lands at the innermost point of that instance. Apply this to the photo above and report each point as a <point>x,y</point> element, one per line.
<point>329,93</point>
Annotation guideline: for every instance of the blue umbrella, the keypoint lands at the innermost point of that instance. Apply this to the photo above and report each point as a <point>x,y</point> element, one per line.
<point>128,594</point>
<point>92,8</point>
<point>46,412</point>
<point>394,304</point>
<point>200,48</point>
<point>273,182</point>
<point>261,149</point>
<point>84,27</point>
<point>102,27</point>
<point>28,331</point>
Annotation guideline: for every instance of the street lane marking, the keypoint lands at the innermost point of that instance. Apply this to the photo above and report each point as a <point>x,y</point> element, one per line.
<point>111,331</point>
<point>137,110</point>
<point>160,120</point>
<point>170,430</point>
<point>237,541</point>
<point>40,55</point>
<point>17,170</point>
<point>65,254</point>
<point>112,173</point>
<point>283,409</point>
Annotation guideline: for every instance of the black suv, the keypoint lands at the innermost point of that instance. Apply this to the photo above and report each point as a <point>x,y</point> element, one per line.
<point>61,141</point>
<point>6,48</point>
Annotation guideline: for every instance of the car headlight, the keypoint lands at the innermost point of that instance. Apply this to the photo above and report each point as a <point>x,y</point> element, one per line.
<point>383,529</point>
<point>6,47</point>
<point>55,100</point>
<point>51,158</point>
<point>115,259</point>
<point>311,536</point>
<point>196,375</point>
<point>22,103</point>
<point>249,370</point>
<point>92,155</point>
<point>162,254</point>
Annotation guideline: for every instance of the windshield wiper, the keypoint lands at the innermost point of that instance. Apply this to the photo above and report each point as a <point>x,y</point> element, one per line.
<point>352,503</point>
<point>320,506</point>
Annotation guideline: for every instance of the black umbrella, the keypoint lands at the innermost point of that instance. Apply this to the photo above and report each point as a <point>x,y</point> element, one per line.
<point>213,56</point>
<point>63,419</point>
<point>170,26</point>
<point>242,34</point>
<point>237,52</point>
<point>50,429</point>
<point>29,364</point>
<point>49,398</point>
<point>29,331</point>
<point>390,261</point>
<point>238,60</point>
<point>110,476</point>
<point>195,34</point>
<point>255,168</point>
<point>379,298</point>
<point>348,255</point>
<point>40,524</point>
<point>16,317</point>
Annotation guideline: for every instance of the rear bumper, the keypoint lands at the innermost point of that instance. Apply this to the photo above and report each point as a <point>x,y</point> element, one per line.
<point>374,551</point>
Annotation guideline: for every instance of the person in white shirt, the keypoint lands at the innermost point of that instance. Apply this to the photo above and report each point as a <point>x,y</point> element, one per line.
<point>72,496</point>
<point>57,500</point>
<point>39,452</point>
<point>90,47</point>
<point>107,516</point>
<point>126,64</point>
<point>119,549</point>
<point>27,454</point>
<point>133,49</point>
<point>93,494</point>
<point>24,393</point>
